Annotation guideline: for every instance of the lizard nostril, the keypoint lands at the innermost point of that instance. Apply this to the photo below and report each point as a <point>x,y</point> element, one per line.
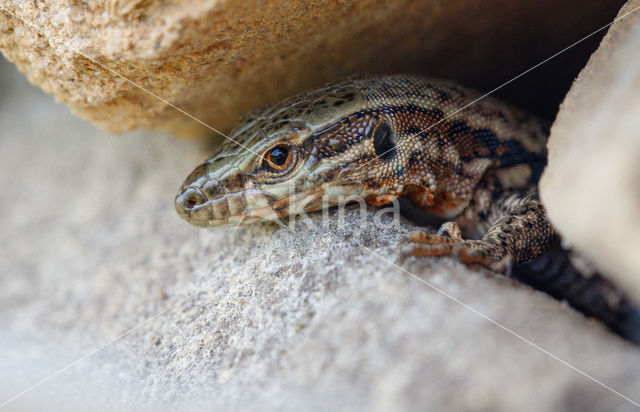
<point>190,202</point>
<point>189,199</point>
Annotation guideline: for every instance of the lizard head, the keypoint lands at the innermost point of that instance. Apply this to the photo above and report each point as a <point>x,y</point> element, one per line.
<point>314,150</point>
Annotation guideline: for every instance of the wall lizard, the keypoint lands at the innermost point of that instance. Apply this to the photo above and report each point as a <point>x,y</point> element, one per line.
<point>474,168</point>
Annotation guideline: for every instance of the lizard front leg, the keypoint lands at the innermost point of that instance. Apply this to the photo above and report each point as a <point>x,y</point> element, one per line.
<point>519,230</point>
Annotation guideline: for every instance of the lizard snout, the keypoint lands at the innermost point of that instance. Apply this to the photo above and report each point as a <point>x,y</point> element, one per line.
<point>198,190</point>
<point>195,206</point>
<point>189,204</point>
<point>189,198</point>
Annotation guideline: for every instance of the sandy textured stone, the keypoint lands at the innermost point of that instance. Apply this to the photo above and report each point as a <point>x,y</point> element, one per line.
<point>217,59</point>
<point>592,185</point>
<point>259,318</point>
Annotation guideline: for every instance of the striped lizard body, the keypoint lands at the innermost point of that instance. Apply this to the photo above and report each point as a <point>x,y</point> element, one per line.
<point>473,163</point>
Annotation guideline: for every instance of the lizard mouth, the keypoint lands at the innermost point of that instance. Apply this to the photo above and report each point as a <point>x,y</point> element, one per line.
<point>205,201</point>
<point>231,209</point>
<point>233,200</point>
<point>246,206</point>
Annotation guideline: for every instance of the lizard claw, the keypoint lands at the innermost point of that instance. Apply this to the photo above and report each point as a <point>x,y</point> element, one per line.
<point>504,265</point>
<point>451,230</point>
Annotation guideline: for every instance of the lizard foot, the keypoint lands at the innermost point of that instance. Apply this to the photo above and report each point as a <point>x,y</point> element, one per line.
<point>448,241</point>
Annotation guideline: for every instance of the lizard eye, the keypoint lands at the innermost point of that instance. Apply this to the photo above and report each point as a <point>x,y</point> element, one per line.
<point>278,158</point>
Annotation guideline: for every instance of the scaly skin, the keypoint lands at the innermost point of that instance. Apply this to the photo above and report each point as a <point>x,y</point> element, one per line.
<point>379,138</point>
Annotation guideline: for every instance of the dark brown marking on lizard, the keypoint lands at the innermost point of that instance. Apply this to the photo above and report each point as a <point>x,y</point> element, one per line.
<point>383,141</point>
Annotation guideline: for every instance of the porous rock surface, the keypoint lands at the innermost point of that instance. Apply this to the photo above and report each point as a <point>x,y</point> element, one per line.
<point>217,59</point>
<point>96,262</point>
<point>591,187</point>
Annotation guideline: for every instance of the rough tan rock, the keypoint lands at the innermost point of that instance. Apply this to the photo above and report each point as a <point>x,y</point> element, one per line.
<point>591,186</point>
<point>217,59</point>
